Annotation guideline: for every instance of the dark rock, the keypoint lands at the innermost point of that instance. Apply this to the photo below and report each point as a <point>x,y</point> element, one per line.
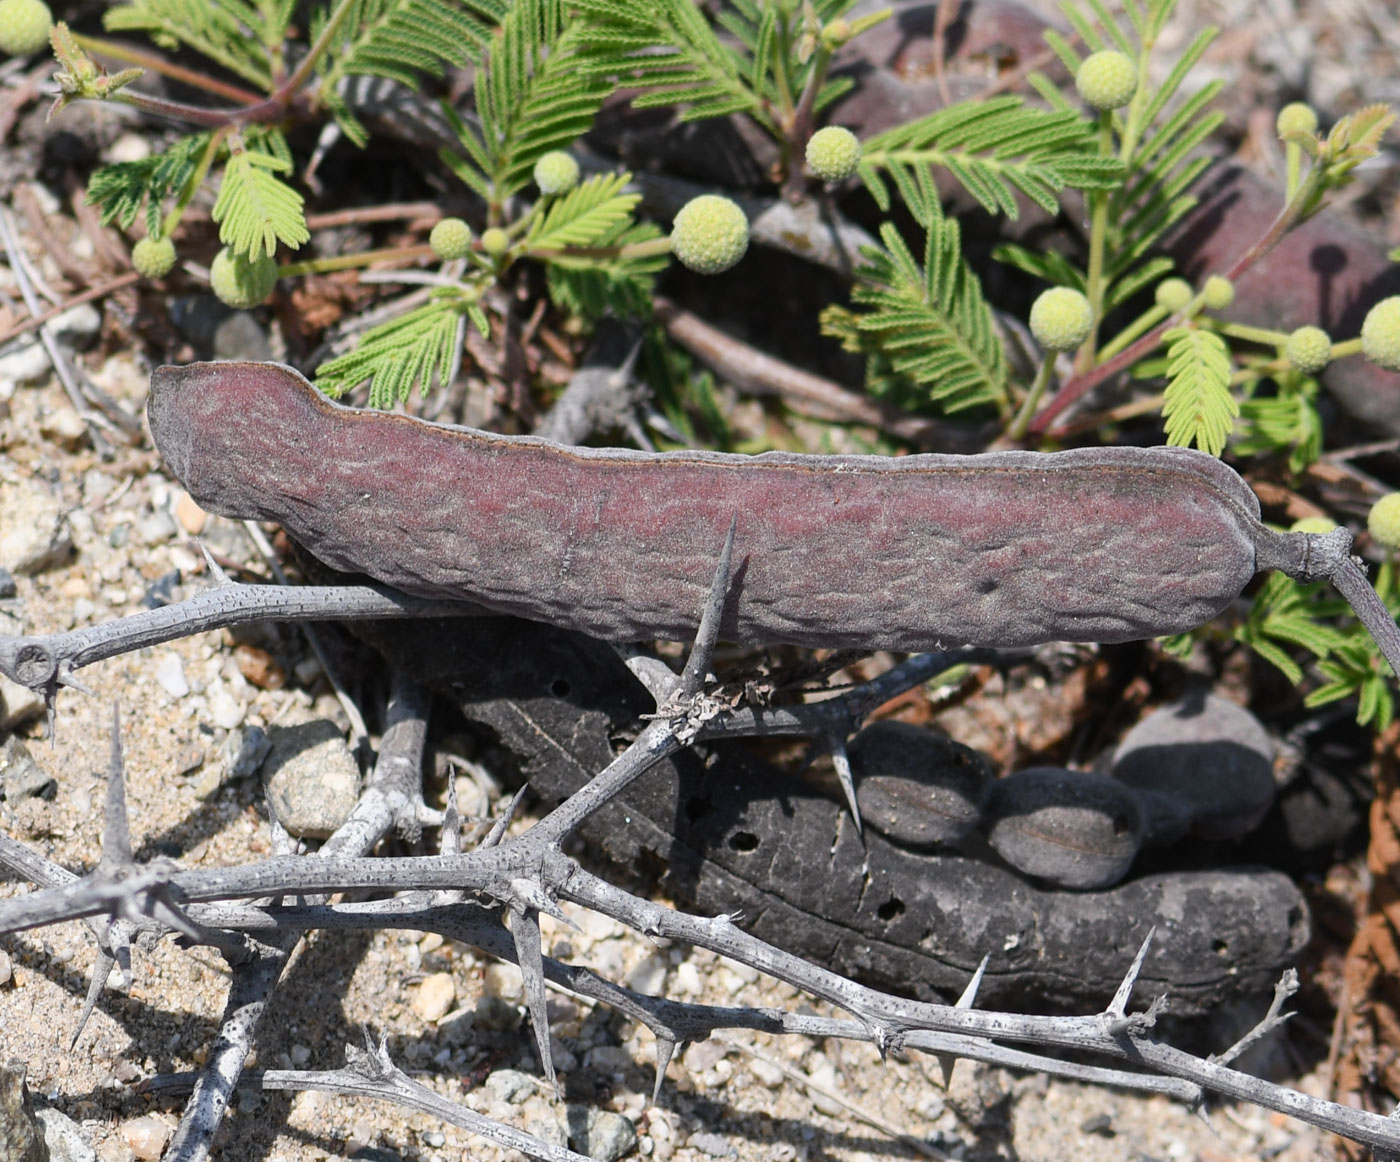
<point>1073,829</point>
<point>1210,755</point>
<point>916,787</point>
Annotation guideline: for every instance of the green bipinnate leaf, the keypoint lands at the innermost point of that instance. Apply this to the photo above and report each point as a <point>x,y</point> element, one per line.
<point>930,324</point>
<point>531,97</point>
<point>120,190</point>
<point>1198,407</point>
<point>419,347</point>
<point>256,209</point>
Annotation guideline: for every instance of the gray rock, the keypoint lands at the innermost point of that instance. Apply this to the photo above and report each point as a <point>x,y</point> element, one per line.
<point>715,1145</point>
<point>78,327</point>
<point>916,787</point>
<point>24,362</point>
<point>510,1085</point>
<point>548,1130</point>
<point>1074,829</point>
<point>20,776</point>
<point>312,779</point>
<point>600,1134</point>
<point>34,533</point>
<point>64,1138</point>
<point>21,1137</point>
<point>18,704</point>
<point>1210,755</point>
<point>218,331</point>
<point>245,750</point>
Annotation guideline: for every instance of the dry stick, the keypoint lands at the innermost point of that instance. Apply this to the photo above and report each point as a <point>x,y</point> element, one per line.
<point>45,662</point>
<point>101,291</point>
<point>18,265</point>
<point>804,392</point>
<point>889,1020</point>
<point>895,1017</point>
<point>383,806</point>
<point>669,1021</point>
<point>358,730</point>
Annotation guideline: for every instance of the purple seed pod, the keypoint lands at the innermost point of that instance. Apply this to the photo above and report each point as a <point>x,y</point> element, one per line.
<point>910,553</point>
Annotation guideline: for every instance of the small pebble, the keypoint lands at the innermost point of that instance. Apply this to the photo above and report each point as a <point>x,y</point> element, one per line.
<point>147,1137</point>
<point>503,981</point>
<point>65,427</point>
<point>18,704</point>
<point>189,758</point>
<point>649,977</point>
<point>510,1085</point>
<point>156,529</point>
<point>225,711</point>
<point>433,1138</point>
<point>77,327</point>
<point>766,1074</point>
<point>548,1130</point>
<point>64,1138</point>
<point>312,779</point>
<point>259,667</point>
<point>21,777</point>
<point>7,972</point>
<point>1210,755</point>
<point>161,591</point>
<point>715,1145</point>
<point>25,362</point>
<point>245,750</point>
<point>436,996</point>
<point>170,674</point>
<point>601,1134</point>
<point>34,533</point>
<point>189,515</point>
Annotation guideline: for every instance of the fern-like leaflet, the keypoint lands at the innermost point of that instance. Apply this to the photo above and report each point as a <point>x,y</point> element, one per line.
<point>120,190</point>
<point>1286,422</point>
<point>591,286</point>
<point>400,40</point>
<point>419,347</point>
<point>931,324</point>
<point>256,209</point>
<point>1198,407</point>
<point>994,149</point>
<point>239,36</point>
<point>1285,613</point>
<point>531,97</point>
<point>585,215</point>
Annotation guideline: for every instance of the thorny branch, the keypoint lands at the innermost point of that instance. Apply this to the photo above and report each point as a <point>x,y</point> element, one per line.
<point>465,895</point>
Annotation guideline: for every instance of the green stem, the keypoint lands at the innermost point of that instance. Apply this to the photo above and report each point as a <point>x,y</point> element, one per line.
<point>1017,431</point>
<point>313,56</point>
<point>648,249</point>
<point>399,254</point>
<point>193,182</point>
<point>1149,318</point>
<point>1098,232</point>
<point>1264,336</point>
